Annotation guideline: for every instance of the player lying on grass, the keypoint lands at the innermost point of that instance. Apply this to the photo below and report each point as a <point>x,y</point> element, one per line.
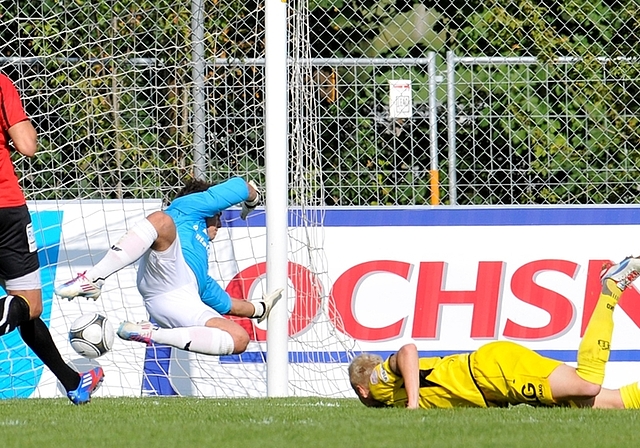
<point>504,373</point>
<point>179,295</point>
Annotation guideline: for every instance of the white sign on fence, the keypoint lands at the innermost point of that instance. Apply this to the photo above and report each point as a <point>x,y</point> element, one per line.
<point>400,102</point>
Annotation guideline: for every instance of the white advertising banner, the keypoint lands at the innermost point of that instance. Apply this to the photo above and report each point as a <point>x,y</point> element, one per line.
<point>447,279</point>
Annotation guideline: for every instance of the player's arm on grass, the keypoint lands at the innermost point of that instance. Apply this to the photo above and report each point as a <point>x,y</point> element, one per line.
<point>406,364</point>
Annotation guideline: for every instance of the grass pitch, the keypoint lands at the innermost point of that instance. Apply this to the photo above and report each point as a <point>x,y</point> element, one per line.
<point>301,423</point>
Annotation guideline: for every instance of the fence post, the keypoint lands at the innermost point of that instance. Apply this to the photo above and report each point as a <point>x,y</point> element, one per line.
<point>199,100</point>
<point>433,128</point>
<point>451,121</point>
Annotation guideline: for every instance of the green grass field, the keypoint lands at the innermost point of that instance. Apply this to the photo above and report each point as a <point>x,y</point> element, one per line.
<point>301,423</point>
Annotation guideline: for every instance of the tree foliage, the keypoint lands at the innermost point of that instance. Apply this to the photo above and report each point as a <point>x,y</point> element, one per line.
<point>548,132</point>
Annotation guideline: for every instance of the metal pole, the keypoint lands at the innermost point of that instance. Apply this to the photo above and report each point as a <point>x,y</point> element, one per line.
<point>433,128</point>
<point>198,73</point>
<point>451,121</point>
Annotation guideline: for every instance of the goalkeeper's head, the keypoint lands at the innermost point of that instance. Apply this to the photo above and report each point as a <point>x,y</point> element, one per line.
<point>360,371</point>
<point>193,186</point>
<point>197,186</point>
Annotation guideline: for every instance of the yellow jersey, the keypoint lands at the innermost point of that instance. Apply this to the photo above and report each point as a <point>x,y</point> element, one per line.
<point>496,375</point>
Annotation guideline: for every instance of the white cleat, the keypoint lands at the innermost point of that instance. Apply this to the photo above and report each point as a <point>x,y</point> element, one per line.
<point>80,286</point>
<point>623,273</point>
<point>140,332</point>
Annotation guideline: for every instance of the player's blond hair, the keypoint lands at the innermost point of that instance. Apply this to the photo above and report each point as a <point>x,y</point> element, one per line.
<point>361,367</point>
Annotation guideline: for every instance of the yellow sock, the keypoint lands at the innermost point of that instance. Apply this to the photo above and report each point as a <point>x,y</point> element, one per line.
<point>594,349</point>
<point>630,395</point>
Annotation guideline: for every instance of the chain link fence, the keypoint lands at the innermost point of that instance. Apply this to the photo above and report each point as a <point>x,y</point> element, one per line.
<point>523,102</point>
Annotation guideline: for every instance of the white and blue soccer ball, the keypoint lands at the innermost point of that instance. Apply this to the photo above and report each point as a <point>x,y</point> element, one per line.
<point>91,335</point>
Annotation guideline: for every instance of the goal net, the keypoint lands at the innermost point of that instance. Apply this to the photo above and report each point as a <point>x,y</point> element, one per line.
<point>111,92</point>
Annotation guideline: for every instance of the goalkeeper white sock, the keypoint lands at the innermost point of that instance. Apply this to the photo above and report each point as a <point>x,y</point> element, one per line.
<point>127,250</point>
<point>205,340</point>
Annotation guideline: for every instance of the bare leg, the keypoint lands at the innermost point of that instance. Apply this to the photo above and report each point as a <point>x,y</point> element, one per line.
<point>609,399</point>
<point>166,229</point>
<point>606,399</point>
<point>239,334</point>
<point>33,297</point>
<point>566,385</point>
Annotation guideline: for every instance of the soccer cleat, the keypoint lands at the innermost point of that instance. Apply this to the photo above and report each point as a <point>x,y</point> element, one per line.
<point>89,382</point>
<point>80,286</point>
<point>269,301</point>
<point>140,332</point>
<point>623,273</point>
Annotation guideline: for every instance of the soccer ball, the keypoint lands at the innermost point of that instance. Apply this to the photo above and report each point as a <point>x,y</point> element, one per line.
<point>91,335</point>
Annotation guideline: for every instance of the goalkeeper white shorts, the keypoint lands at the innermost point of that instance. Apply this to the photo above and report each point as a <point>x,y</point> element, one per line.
<point>170,289</point>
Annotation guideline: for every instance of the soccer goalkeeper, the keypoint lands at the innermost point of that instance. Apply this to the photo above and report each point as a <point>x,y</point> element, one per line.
<point>504,373</point>
<point>180,297</point>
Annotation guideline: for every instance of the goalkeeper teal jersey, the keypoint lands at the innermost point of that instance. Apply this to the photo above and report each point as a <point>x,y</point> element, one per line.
<point>189,214</point>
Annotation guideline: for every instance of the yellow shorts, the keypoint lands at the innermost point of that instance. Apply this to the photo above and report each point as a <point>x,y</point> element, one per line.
<point>506,372</point>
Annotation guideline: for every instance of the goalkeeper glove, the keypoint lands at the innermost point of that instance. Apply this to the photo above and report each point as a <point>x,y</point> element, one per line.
<point>268,301</point>
<point>249,206</point>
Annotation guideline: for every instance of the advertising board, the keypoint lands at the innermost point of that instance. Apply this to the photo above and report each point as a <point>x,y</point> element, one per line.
<point>447,279</point>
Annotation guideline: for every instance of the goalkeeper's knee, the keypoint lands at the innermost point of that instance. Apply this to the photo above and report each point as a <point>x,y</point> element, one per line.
<point>14,311</point>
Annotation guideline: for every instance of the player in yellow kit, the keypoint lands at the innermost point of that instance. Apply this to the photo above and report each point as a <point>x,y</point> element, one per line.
<point>504,373</point>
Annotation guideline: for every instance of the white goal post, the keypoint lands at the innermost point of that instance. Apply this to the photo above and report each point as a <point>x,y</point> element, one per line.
<point>276,151</point>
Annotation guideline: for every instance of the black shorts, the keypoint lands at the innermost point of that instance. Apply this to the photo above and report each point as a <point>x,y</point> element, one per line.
<point>18,251</point>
